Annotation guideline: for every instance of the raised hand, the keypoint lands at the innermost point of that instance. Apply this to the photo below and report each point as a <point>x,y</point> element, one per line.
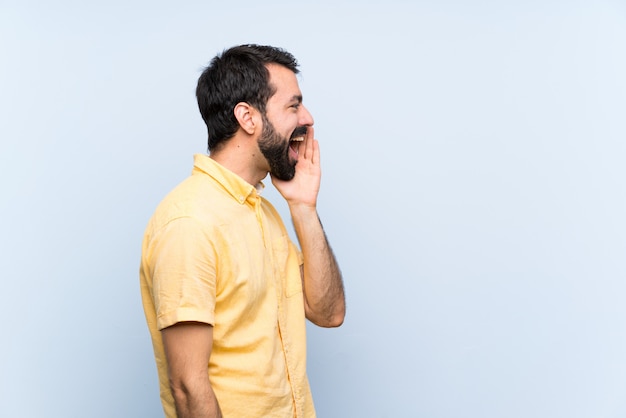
<point>304,187</point>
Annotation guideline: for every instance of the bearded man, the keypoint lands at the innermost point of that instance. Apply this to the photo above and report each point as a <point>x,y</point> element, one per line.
<point>224,289</point>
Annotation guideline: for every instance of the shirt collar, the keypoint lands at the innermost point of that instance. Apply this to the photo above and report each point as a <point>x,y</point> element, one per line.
<point>237,187</point>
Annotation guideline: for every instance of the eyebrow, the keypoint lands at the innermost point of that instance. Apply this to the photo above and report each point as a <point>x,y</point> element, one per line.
<point>296,98</point>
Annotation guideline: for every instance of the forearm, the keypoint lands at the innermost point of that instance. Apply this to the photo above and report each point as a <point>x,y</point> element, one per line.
<point>195,401</point>
<point>322,281</point>
<point>188,349</point>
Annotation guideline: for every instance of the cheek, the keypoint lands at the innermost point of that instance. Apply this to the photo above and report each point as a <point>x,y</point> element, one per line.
<point>285,123</point>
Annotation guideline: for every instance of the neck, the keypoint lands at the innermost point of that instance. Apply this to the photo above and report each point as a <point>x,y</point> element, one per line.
<point>243,157</point>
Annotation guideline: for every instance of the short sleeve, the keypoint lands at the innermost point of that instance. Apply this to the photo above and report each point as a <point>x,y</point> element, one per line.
<point>184,273</point>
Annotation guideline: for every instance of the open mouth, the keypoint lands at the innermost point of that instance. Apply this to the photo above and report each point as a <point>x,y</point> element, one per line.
<point>294,143</point>
<point>296,137</point>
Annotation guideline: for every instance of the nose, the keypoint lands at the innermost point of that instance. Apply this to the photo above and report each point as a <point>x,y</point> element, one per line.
<point>305,117</point>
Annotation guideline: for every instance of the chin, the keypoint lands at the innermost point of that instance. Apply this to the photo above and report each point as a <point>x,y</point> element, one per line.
<point>284,174</point>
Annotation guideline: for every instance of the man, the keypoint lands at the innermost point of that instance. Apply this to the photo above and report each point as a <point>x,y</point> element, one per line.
<point>224,290</point>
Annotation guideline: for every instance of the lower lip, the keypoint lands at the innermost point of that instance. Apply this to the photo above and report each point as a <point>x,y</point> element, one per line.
<point>293,153</point>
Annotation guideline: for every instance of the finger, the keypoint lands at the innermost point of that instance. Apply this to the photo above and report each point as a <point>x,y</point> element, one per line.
<point>315,152</point>
<point>309,139</point>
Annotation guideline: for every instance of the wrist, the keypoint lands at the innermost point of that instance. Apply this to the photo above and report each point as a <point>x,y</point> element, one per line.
<point>302,210</point>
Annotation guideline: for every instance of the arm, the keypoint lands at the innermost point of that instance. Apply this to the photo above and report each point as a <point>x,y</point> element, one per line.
<point>187,349</point>
<point>324,300</point>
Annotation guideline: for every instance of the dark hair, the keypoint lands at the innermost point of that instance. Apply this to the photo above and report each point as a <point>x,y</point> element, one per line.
<point>237,75</point>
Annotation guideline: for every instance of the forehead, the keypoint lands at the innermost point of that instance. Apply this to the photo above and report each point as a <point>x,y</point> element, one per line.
<point>284,82</point>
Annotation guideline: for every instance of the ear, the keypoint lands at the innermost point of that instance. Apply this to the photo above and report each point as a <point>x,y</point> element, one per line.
<point>246,116</point>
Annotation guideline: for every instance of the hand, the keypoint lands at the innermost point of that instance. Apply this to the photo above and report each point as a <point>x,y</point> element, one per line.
<point>305,185</point>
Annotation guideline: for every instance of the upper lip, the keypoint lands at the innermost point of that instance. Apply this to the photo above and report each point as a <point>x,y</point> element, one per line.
<point>299,133</point>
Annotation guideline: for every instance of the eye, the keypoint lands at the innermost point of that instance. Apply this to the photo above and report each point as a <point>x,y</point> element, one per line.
<point>295,106</point>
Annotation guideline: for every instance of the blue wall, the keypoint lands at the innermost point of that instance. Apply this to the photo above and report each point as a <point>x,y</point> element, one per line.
<point>473,191</point>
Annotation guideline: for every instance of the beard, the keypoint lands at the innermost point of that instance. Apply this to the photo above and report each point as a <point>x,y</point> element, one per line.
<point>275,149</point>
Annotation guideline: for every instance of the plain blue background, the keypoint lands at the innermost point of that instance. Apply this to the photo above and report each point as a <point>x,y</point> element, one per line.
<point>474,165</point>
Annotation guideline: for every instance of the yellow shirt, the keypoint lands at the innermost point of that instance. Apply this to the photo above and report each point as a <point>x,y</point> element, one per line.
<point>216,252</point>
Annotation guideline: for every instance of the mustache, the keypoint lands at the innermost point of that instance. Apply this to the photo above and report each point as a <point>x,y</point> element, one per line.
<point>299,131</point>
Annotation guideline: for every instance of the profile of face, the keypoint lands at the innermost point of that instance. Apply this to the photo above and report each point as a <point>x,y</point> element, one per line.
<point>285,124</point>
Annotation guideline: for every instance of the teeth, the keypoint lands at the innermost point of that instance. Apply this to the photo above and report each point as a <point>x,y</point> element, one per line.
<point>298,139</point>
